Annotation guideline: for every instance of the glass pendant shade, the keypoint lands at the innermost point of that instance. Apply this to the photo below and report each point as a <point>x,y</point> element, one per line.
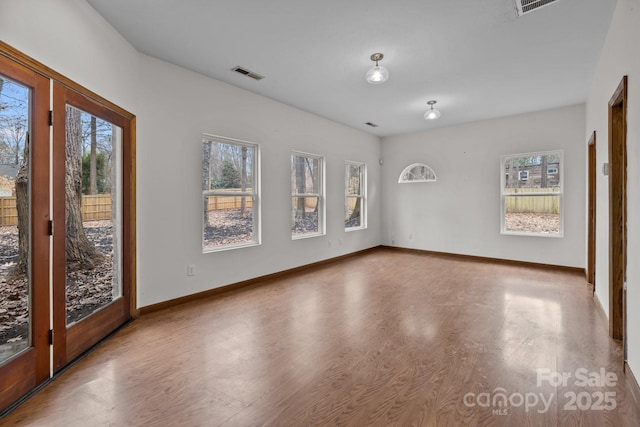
<point>432,113</point>
<point>377,75</point>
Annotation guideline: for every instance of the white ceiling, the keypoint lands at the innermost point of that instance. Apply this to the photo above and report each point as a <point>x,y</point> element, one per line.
<point>475,57</point>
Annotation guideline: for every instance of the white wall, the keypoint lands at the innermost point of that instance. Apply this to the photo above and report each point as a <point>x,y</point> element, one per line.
<point>460,213</point>
<point>177,107</point>
<point>619,57</point>
<point>70,37</point>
<point>173,108</point>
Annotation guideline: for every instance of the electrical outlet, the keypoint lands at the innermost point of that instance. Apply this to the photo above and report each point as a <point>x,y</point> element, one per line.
<point>191,270</point>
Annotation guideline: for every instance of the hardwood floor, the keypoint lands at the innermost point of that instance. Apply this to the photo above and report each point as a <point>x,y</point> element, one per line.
<point>385,338</point>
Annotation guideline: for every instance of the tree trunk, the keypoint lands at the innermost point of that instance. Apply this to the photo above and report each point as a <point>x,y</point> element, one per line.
<point>356,210</point>
<point>312,166</point>
<point>243,181</point>
<point>301,187</point>
<point>514,175</point>
<point>93,185</point>
<point>543,173</point>
<point>206,179</point>
<point>22,206</point>
<point>80,252</point>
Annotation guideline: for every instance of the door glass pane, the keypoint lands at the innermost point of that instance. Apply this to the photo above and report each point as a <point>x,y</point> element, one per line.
<point>93,213</point>
<point>15,174</point>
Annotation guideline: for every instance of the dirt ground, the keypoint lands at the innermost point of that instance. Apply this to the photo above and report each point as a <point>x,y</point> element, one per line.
<point>87,290</point>
<point>533,222</point>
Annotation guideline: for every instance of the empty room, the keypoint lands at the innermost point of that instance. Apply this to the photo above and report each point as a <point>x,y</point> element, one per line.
<point>291,213</point>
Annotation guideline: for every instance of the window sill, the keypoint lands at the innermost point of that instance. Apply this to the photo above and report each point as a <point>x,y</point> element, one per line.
<point>528,234</point>
<point>206,250</point>
<point>306,236</point>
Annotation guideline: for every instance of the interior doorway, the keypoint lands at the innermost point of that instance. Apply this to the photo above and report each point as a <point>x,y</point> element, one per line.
<point>591,243</point>
<point>618,212</point>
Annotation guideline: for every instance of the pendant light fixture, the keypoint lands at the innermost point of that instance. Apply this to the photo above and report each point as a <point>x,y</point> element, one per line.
<point>378,74</point>
<point>432,113</point>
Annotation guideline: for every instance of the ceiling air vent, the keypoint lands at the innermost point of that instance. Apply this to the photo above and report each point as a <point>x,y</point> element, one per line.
<point>247,73</point>
<point>525,6</point>
<point>373,125</point>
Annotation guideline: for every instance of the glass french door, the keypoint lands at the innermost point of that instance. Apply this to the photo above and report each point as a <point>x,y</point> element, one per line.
<point>67,247</point>
<point>91,243</point>
<point>24,230</point>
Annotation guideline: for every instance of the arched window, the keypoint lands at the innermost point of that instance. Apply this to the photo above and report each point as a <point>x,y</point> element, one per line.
<point>417,172</point>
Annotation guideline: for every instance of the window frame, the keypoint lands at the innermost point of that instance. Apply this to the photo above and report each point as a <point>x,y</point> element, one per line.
<point>254,195</point>
<point>320,194</point>
<point>504,195</point>
<point>362,166</point>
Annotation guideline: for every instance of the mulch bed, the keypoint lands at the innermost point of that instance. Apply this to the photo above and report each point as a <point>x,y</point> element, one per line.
<point>308,224</point>
<point>230,226</point>
<point>227,227</point>
<point>533,222</point>
<point>87,290</point>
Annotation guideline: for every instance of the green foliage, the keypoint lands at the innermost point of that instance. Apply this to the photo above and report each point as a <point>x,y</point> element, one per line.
<point>101,172</point>
<point>229,176</point>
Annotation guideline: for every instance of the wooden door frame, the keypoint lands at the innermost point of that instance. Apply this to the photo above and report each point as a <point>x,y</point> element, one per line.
<point>617,209</point>
<point>591,208</point>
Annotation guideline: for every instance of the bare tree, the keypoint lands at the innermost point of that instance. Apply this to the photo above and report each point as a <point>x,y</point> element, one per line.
<point>206,177</point>
<point>356,211</point>
<point>354,183</point>
<point>18,131</point>
<point>301,185</point>
<point>79,250</point>
<point>93,182</point>
<point>543,173</point>
<point>243,181</point>
<point>22,207</point>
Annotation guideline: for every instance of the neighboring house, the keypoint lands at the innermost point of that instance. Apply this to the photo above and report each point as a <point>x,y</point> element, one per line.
<point>8,175</point>
<point>531,176</point>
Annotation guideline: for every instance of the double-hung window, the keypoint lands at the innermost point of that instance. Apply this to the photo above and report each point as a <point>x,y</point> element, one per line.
<point>230,193</point>
<point>307,195</point>
<point>532,193</point>
<point>355,202</point>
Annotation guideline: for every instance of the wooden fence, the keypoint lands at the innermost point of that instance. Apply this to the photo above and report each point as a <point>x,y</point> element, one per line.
<point>532,204</point>
<point>8,211</point>
<point>215,203</point>
<point>94,208</point>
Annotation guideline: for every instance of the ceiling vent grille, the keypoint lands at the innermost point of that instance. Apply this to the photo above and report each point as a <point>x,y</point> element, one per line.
<point>247,73</point>
<point>525,6</point>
